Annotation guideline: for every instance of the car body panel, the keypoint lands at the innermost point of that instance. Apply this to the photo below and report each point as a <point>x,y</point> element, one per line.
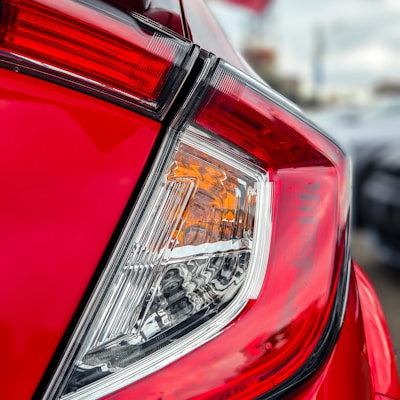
<point>67,171</point>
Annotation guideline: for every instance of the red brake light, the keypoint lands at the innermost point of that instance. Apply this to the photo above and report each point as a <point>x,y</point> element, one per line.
<point>109,53</point>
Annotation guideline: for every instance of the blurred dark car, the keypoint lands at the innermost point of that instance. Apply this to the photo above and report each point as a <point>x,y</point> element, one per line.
<point>380,204</point>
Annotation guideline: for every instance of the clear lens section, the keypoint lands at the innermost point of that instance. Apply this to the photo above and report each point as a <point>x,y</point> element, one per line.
<point>192,254</point>
<point>184,258</point>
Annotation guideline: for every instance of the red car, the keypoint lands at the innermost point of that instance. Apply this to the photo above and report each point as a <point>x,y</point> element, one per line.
<point>171,228</point>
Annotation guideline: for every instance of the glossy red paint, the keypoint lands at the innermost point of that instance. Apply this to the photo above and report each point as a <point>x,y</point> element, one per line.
<point>380,352</point>
<point>67,170</point>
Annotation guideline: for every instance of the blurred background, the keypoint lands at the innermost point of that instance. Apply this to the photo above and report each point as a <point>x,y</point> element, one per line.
<point>339,60</point>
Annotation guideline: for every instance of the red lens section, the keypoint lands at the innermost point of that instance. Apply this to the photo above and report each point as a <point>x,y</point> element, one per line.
<point>110,50</point>
<point>259,121</point>
<point>251,121</point>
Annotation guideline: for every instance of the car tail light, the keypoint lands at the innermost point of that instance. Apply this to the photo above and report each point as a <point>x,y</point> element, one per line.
<point>285,330</point>
<point>233,252</point>
<point>97,49</point>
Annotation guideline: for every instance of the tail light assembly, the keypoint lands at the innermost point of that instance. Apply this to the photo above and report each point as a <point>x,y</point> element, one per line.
<point>232,265</point>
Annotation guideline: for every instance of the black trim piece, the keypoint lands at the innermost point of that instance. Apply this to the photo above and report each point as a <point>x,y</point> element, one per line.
<point>186,89</point>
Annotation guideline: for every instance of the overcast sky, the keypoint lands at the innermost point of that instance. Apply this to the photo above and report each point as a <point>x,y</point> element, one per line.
<point>361,38</point>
